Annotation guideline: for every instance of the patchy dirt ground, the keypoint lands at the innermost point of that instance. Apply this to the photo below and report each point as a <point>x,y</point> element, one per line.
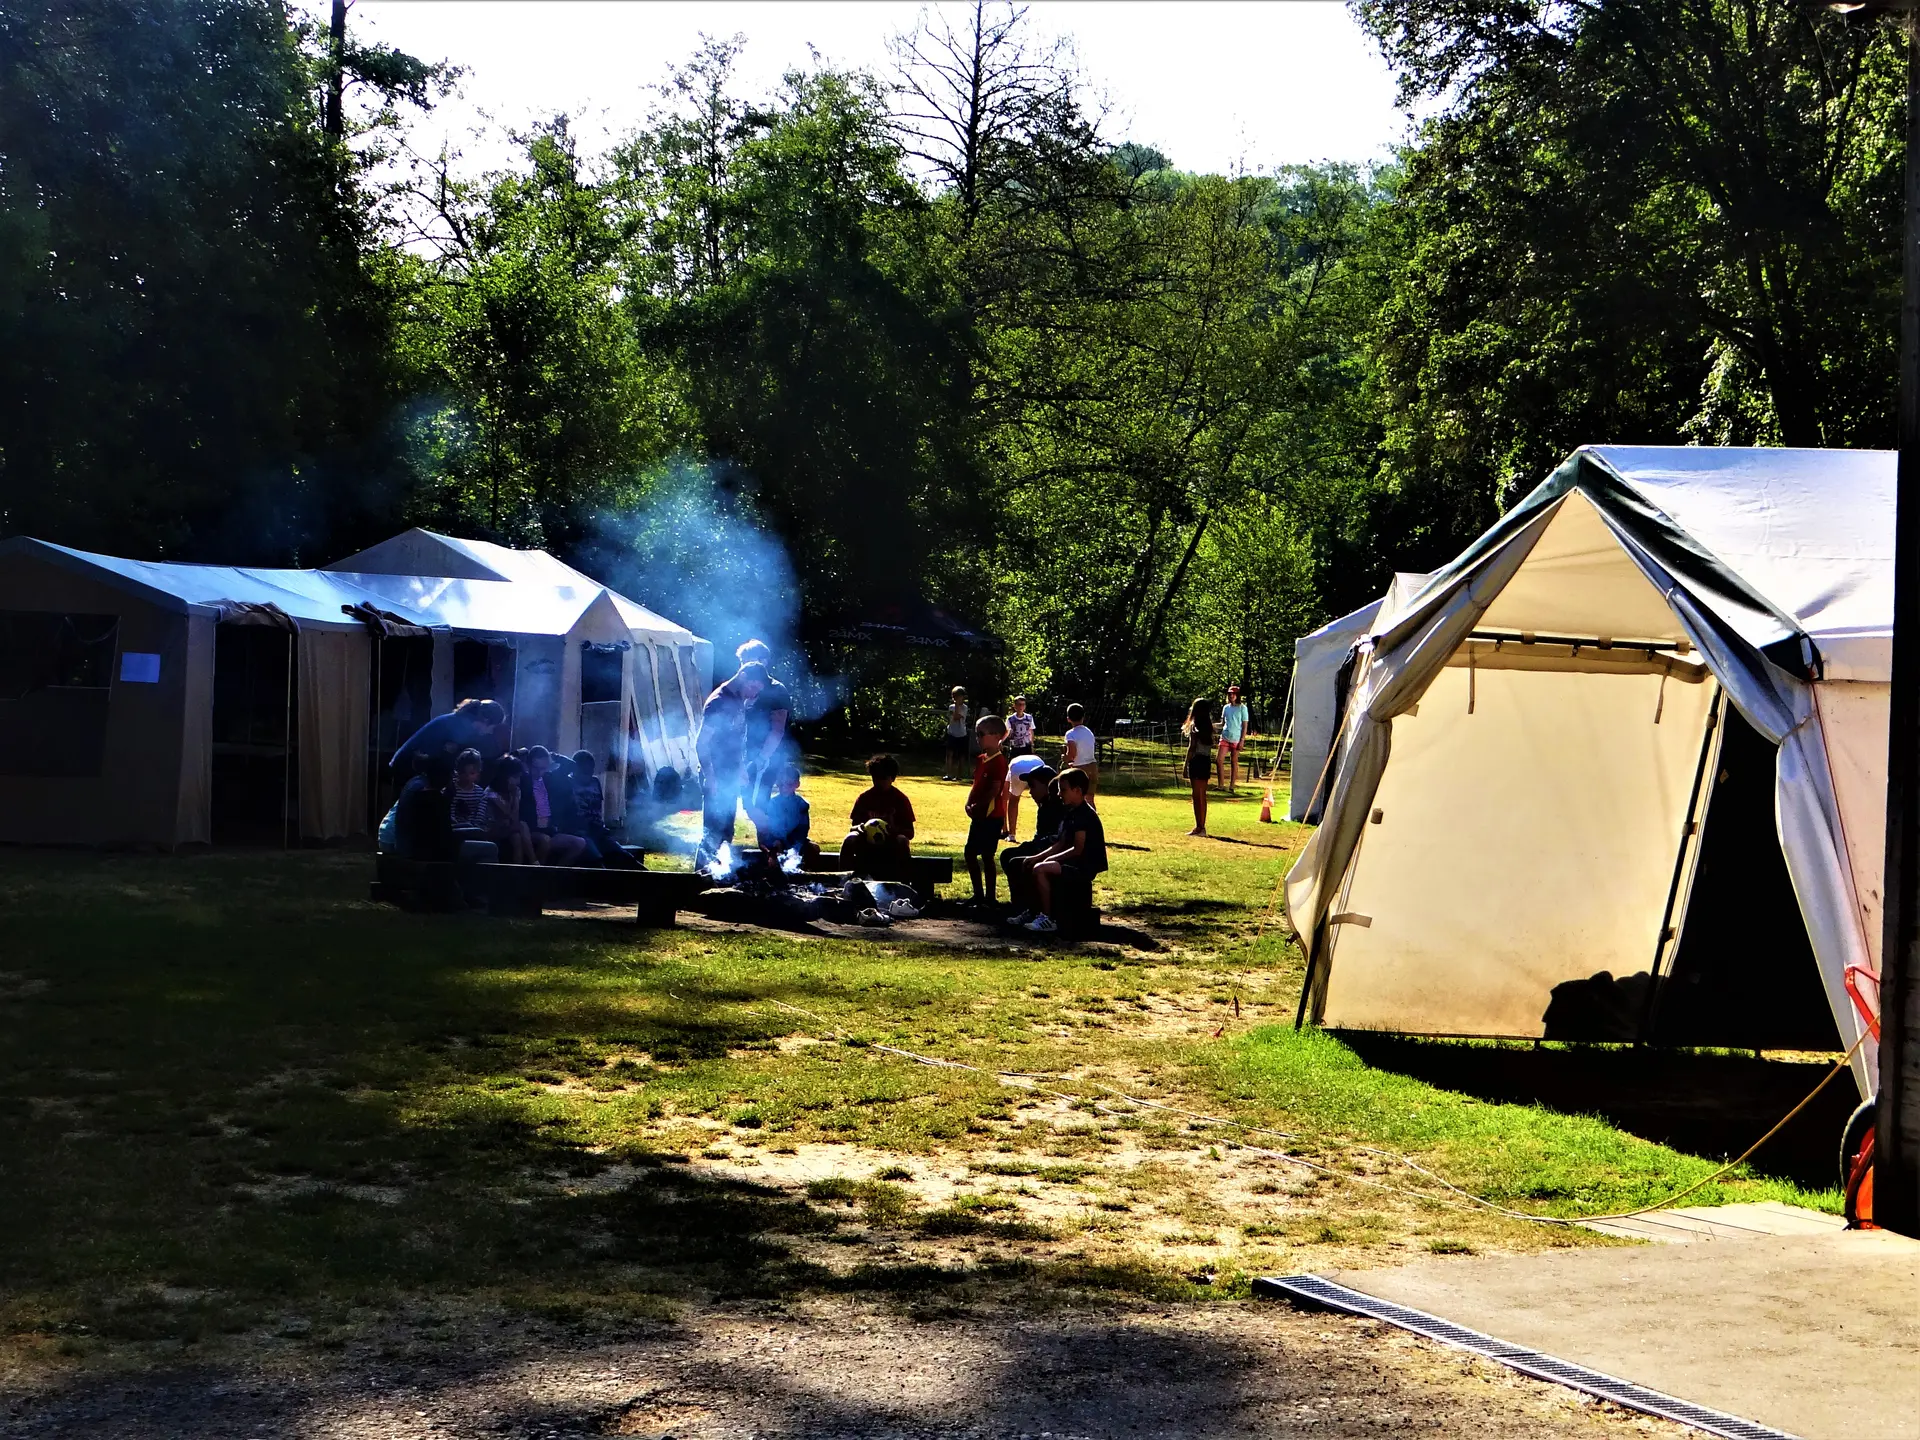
<point>834,1369</point>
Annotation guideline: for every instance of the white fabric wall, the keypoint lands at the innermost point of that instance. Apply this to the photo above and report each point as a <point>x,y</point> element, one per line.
<point>1524,842</point>
<point>1317,659</point>
<point>1853,723</point>
<point>195,823</point>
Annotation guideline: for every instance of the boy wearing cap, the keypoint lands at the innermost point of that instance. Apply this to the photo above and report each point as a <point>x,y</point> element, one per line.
<point>1233,734</point>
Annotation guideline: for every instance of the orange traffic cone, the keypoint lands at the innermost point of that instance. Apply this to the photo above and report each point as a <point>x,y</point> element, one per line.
<point>1266,808</point>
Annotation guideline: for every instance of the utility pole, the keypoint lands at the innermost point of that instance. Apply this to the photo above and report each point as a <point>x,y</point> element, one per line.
<point>1896,1180</point>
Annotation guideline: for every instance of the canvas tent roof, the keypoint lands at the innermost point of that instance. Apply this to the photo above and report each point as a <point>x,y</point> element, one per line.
<point>470,566</point>
<point>1509,808</point>
<point>310,597</point>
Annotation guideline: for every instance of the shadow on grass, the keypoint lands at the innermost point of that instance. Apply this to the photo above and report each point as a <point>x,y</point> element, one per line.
<point>239,1097</point>
<point>1708,1104</point>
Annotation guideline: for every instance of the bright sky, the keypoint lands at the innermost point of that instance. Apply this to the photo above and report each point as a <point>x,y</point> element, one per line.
<point>1215,86</point>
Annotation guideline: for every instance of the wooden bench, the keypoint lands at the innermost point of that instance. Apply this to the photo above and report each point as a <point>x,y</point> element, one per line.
<point>924,871</point>
<point>527,889</point>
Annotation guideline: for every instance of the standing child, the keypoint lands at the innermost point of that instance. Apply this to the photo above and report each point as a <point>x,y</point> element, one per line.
<point>987,808</point>
<point>1082,751</point>
<point>1233,734</point>
<point>1019,743</point>
<point>1199,766</point>
<point>1079,850</point>
<point>957,734</point>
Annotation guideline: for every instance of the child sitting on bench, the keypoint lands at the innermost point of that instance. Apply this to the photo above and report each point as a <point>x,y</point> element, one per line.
<point>784,820</point>
<point>883,851</point>
<point>1079,851</point>
<point>1039,782</point>
<point>589,802</point>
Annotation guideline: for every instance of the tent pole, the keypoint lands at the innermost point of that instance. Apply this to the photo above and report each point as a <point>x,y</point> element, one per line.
<point>1896,1201</point>
<point>1691,839</point>
<point>286,778</point>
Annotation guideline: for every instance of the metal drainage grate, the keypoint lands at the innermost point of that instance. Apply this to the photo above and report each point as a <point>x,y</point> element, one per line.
<point>1313,1291</point>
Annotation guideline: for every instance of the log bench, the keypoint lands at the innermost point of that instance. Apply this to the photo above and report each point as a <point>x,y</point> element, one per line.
<point>923,872</point>
<point>527,889</point>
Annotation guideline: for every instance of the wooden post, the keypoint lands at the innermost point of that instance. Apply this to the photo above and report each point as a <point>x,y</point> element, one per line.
<point>1896,1199</point>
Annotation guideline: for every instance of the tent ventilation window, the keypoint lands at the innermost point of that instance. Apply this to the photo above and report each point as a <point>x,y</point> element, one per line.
<point>600,667</point>
<point>56,676</point>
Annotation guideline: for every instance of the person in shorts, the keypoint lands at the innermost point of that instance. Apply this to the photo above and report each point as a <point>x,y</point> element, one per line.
<point>957,734</point>
<point>1233,734</point>
<point>987,808</point>
<point>1079,850</point>
<point>1081,751</point>
<point>1039,782</point>
<point>1200,759</point>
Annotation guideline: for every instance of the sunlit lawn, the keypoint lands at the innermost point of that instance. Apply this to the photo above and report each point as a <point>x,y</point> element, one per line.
<point>241,1100</point>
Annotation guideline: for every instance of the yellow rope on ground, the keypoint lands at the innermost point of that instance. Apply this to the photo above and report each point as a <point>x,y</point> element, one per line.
<point>1031,1083</point>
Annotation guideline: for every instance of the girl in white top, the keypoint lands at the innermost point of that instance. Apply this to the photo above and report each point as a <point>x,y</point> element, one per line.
<point>957,735</point>
<point>1082,750</point>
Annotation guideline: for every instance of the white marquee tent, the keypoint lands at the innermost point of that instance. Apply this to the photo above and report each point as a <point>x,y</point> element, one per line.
<point>1548,810</point>
<point>133,692</point>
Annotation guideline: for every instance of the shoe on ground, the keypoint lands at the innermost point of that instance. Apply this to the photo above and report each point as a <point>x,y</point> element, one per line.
<point>1041,925</point>
<point>873,918</point>
<point>1021,919</point>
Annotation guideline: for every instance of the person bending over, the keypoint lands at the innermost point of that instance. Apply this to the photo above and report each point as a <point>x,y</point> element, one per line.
<point>1039,783</point>
<point>1079,851</point>
<point>879,844</point>
<point>471,725</point>
<point>986,808</point>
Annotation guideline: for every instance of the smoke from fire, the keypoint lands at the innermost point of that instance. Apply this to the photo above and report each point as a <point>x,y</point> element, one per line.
<point>695,552</point>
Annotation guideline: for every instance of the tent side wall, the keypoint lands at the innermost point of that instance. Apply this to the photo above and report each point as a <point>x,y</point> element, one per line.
<point>1317,659</point>
<point>131,791</point>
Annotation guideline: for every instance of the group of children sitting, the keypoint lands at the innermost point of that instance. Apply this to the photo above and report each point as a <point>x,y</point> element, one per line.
<point>1068,840</point>
<point>531,807</point>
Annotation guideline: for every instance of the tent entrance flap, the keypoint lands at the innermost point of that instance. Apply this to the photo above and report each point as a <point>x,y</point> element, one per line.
<point>1527,828</point>
<point>1744,974</point>
<point>254,692</point>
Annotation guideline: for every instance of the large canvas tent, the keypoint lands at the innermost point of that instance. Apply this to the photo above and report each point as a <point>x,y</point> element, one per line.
<point>152,703</point>
<point>582,663</point>
<point>1618,771</point>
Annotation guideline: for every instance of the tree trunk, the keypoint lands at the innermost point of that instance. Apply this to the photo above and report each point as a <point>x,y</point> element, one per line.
<point>335,122</point>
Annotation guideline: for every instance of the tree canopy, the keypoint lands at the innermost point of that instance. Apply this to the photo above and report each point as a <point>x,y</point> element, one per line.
<point>932,335</point>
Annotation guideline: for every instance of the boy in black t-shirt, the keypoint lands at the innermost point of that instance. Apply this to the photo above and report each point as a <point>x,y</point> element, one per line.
<point>1080,848</point>
<point>1018,862</point>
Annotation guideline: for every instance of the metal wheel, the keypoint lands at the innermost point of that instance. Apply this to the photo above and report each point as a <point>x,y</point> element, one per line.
<point>1859,1126</point>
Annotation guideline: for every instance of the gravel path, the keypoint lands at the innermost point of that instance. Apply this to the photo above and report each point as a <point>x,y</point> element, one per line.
<point>838,1369</point>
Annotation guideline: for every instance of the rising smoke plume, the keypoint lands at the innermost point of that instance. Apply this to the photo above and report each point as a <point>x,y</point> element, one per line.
<point>694,550</point>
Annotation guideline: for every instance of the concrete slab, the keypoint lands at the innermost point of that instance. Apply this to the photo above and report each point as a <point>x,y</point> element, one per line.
<point>1816,1334</point>
<point>1720,1222</point>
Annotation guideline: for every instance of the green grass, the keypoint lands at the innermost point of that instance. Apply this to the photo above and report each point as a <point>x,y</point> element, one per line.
<point>243,1101</point>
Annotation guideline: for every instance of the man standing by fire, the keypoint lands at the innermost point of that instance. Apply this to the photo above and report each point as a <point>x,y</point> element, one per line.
<point>722,752</point>
<point>770,746</point>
